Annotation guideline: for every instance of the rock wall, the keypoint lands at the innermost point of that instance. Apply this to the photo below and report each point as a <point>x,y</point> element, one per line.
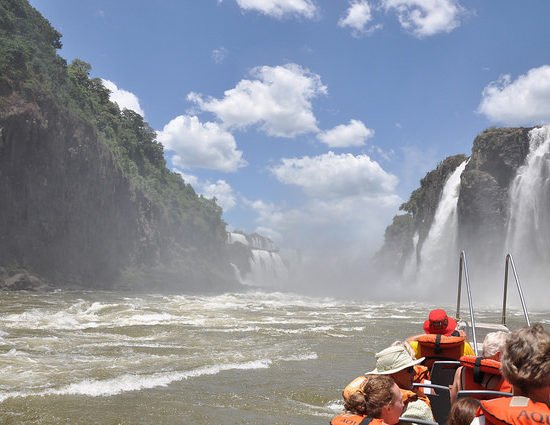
<point>70,215</point>
<point>482,207</point>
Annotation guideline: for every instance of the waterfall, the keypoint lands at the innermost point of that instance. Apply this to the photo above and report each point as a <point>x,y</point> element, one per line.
<point>528,230</point>
<point>267,268</point>
<point>439,251</point>
<point>409,269</point>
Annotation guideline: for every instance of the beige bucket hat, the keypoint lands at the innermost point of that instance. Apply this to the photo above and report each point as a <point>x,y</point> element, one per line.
<point>393,359</point>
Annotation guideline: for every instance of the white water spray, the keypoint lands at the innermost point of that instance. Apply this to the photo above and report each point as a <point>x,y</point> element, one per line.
<point>439,251</point>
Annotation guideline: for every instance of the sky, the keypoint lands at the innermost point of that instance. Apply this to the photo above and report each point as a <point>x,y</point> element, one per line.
<point>311,121</point>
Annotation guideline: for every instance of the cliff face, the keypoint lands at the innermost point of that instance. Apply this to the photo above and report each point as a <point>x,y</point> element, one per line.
<point>70,214</point>
<point>86,199</point>
<point>482,206</point>
<point>483,200</point>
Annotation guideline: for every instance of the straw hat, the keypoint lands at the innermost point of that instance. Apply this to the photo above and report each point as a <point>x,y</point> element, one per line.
<point>393,359</point>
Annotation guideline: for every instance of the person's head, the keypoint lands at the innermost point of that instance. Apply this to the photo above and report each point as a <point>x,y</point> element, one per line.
<point>493,344</point>
<point>383,399</point>
<point>439,323</point>
<point>353,387</point>
<point>463,411</point>
<point>525,361</point>
<point>398,363</point>
<point>355,403</point>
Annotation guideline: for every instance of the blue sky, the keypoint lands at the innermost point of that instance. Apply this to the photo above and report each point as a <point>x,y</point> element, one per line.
<point>311,121</point>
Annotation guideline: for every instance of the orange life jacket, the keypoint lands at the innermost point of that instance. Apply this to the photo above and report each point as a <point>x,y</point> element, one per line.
<point>474,375</point>
<point>351,419</point>
<point>421,374</point>
<point>440,347</point>
<point>514,411</point>
<point>409,396</point>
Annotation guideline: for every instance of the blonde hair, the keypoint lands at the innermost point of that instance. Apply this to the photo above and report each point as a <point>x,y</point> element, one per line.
<point>526,358</point>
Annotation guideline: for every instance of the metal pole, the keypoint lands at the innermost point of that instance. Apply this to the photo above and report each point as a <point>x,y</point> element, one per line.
<point>520,292</point>
<point>460,264</point>
<point>503,320</point>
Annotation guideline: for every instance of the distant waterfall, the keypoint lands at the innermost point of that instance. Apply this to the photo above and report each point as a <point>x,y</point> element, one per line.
<point>267,268</point>
<point>439,251</point>
<point>265,262</point>
<point>529,223</point>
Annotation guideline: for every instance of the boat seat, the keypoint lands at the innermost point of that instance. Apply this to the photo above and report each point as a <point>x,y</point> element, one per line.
<point>482,394</point>
<point>405,420</point>
<point>443,372</point>
<point>440,400</point>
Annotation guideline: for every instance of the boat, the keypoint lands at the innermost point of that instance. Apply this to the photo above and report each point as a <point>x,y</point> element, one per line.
<point>442,372</point>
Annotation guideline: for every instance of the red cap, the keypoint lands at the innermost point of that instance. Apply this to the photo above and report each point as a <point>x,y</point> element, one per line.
<point>439,323</point>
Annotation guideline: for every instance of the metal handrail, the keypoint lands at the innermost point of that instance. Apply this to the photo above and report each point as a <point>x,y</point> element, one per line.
<point>463,267</point>
<point>510,260</point>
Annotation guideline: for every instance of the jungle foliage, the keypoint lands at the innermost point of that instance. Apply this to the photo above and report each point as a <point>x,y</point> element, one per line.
<point>31,68</point>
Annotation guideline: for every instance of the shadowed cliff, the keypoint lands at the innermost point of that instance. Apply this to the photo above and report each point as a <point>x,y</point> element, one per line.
<point>87,200</point>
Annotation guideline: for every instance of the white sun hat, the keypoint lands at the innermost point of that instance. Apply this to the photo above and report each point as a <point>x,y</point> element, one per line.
<point>393,359</point>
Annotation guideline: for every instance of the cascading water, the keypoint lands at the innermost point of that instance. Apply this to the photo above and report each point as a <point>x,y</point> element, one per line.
<point>528,230</point>
<point>266,265</point>
<point>439,251</point>
<point>267,268</point>
<point>409,270</point>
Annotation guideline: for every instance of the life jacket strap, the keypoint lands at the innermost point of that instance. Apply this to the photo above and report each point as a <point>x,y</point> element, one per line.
<point>437,348</point>
<point>478,374</point>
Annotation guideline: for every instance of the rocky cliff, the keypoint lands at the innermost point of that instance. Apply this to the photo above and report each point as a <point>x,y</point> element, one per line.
<point>482,205</point>
<point>86,199</point>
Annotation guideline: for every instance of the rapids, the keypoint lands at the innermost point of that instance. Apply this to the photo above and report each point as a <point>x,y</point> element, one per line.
<point>114,358</point>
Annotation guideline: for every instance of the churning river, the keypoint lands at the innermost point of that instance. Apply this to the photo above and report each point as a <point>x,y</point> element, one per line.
<point>248,358</point>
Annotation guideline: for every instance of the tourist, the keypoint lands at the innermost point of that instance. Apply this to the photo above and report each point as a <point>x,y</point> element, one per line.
<point>383,399</point>
<point>375,400</point>
<point>482,373</point>
<point>441,340</point>
<point>398,364</point>
<point>463,411</point>
<point>526,365</point>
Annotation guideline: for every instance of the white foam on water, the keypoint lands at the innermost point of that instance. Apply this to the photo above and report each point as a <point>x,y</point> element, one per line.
<point>131,382</point>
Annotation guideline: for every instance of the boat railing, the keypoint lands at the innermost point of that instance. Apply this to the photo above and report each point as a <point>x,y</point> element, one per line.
<point>510,262</point>
<point>464,276</point>
<point>463,271</point>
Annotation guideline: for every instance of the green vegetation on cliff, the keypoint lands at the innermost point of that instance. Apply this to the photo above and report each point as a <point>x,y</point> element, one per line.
<point>34,79</point>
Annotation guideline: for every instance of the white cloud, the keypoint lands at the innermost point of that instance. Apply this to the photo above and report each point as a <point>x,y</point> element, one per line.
<point>278,100</point>
<point>525,101</point>
<point>336,176</point>
<point>223,193</point>
<point>357,16</point>
<point>123,98</point>
<point>353,134</point>
<point>219,54</point>
<point>340,223</point>
<point>424,18</point>
<point>201,145</point>
<point>281,8</point>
